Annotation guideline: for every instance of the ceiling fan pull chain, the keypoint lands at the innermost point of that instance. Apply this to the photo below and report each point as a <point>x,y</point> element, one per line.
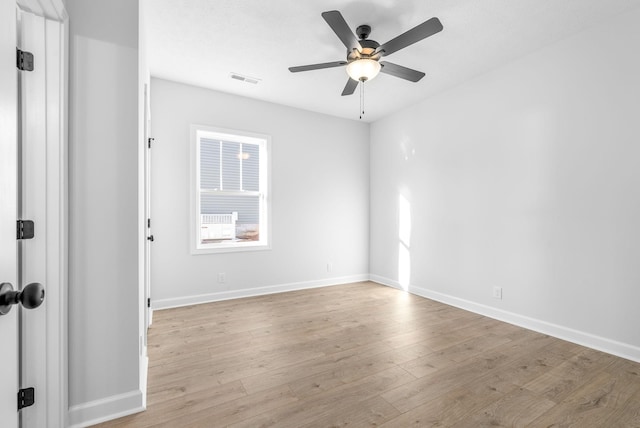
<point>361,98</point>
<point>360,101</point>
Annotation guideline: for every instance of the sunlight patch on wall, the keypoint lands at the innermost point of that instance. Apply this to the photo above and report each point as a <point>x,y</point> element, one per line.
<point>404,244</point>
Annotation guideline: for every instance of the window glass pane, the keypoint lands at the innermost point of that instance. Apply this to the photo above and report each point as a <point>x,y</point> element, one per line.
<point>209,164</point>
<point>247,222</point>
<point>247,207</point>
<point>251,167</point>
<point>230,165</point>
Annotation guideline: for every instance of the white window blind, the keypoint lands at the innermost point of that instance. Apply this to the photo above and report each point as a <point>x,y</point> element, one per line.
<point>230,179</point>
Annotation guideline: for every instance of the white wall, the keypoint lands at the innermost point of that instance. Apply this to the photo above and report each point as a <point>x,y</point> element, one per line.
<point>320,198</point>
<point>524,178</point>
<point>103,197</point>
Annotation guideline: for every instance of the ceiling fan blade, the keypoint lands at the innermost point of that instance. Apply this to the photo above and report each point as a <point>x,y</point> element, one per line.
<point>342,30</point>
<point>350,87</point>
<point>422,31</point>
<point>400,71</point>
<point>317,66</point>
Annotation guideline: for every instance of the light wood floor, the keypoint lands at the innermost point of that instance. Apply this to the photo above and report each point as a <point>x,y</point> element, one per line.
<point>368,355</point>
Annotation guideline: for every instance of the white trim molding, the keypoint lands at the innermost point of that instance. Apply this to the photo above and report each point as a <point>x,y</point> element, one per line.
<point>623,350</point>
<point>252,292</point>
<point>97,411</point>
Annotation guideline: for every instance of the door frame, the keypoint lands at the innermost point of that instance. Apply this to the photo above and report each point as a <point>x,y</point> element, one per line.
<point>56,278</point>
<point>147,208</point>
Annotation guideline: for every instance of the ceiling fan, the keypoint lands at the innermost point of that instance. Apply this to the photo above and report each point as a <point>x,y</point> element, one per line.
<point>363,54</point>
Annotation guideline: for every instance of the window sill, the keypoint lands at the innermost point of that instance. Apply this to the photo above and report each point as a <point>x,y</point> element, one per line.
<point>234,247</point>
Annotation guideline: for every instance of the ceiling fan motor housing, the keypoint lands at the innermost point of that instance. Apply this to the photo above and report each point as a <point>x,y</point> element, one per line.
<point>368,48</point>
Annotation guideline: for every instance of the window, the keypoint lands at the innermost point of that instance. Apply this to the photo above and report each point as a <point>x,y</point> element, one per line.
<point>230,203</point>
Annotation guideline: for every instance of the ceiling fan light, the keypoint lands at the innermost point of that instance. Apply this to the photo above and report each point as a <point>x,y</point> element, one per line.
<point>363,69</point>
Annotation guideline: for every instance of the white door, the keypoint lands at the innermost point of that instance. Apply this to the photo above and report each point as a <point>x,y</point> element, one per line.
<point>32,183</point>
<point>8,210</point>
<point>32,205</point>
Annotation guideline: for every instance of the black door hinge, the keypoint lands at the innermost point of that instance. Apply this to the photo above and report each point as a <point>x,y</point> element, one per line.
<point>149,302</point>
<point>26,397</point>
<point>24,60</point>
<point>150,140</point>
<point>148,222</point>
<point>25,229</point>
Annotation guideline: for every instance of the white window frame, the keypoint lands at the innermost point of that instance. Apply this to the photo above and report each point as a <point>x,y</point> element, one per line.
<point>198,132</point>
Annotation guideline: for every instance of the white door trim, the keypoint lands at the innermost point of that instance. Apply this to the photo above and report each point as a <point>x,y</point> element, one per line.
<point>57,206</point>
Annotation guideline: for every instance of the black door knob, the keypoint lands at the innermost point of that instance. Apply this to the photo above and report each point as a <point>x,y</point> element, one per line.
<point>31,296</point>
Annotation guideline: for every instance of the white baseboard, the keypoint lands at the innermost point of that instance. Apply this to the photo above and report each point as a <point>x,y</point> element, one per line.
<point>599,343</point>
<point>95,412</point>
<point>252,292</point>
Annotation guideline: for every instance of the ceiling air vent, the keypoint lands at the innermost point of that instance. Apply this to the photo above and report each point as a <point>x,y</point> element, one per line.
<point>247,79</point>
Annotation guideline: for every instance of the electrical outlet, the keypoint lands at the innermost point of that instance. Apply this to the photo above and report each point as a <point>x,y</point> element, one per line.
<point>329,266</point>
<point>497,293</point>
<point>222,277</point>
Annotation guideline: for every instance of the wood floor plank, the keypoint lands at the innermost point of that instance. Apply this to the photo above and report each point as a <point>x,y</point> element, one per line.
<point>233,411</point>
<point>342,373</point>
<point>433,385</point>
<point>446,409</point>
<point>559,382</point>
<point>517,409</point>
<point>627,415</point>
<point>305,369</point>
<point>427,364</point>
<point>368,413</point>
<point>367,355</point>
<point>606,397</point>
<point>330,403</point>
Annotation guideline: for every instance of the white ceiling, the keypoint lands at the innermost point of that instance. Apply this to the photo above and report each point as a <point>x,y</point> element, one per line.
<point>201,42</point>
